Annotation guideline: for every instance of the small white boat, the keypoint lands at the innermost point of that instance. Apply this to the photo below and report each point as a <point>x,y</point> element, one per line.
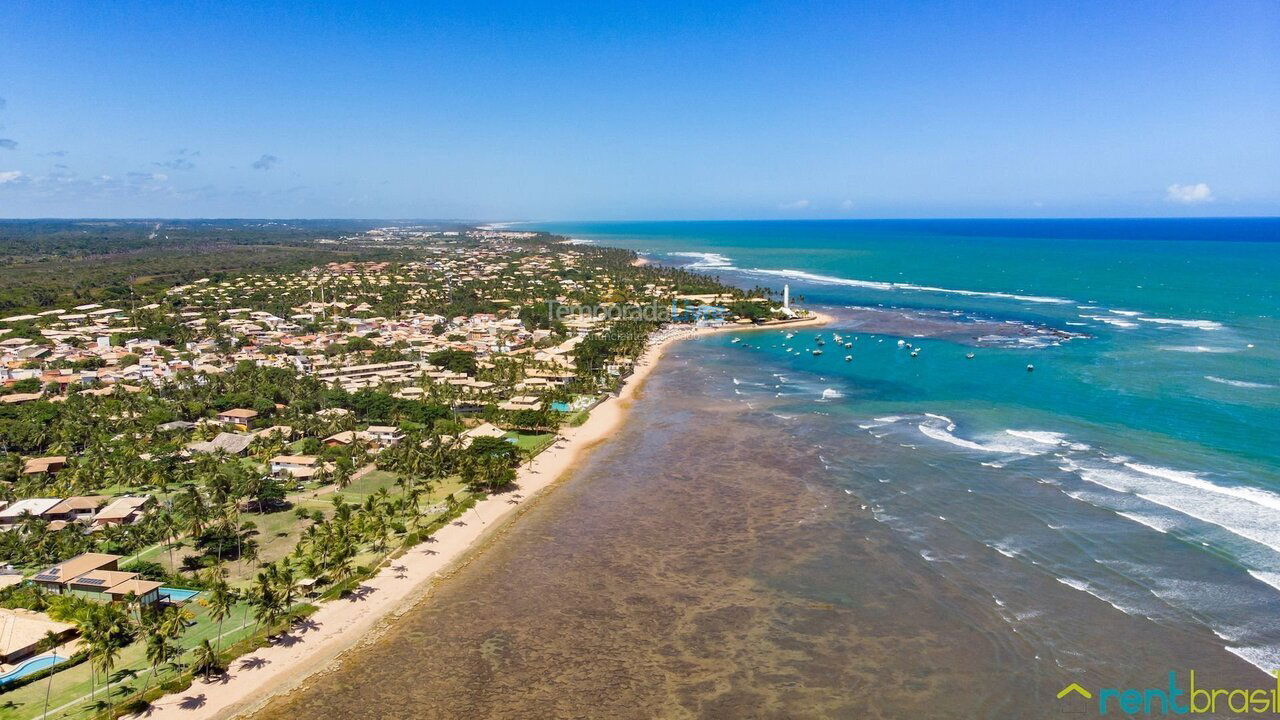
<point>817,352</point>
<point>790,335</point>
<point>968,356</point>
<point>1030,367</point>
<point>737,340</point>
<point>900,342</point>
<point>848,345</point>
<point>915,353</point>
<point>848,358</point>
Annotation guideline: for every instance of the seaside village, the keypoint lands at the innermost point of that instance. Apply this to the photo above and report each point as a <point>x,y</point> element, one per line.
<point>184,476</point>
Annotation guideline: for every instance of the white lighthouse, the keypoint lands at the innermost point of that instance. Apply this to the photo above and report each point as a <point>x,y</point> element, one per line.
<point>786,296</point>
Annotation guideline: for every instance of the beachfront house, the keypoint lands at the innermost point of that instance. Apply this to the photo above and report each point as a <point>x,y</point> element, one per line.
<point>96,576</point>
<point>22,630</point>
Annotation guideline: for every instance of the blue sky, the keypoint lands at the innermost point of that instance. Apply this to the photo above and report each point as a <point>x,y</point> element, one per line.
<point>640,110</point>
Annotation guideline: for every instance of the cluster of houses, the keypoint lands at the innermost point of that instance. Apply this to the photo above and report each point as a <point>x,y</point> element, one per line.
<point>92,511</point>
<point>305,320</point>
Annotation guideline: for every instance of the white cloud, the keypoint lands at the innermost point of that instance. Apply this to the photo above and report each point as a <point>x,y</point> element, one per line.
<point>1189,194</point>
<point>9,176</point>
<point>796,205</point>
<point>846,205</point>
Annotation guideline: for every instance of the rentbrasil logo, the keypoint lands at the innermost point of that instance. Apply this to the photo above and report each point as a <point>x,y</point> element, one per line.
<point>1173,700</point>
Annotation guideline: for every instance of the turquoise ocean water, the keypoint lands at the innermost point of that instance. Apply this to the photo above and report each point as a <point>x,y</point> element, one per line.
<point>1138,463</point>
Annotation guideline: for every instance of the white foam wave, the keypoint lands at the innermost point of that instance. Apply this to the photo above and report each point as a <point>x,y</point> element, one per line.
<point>934,428</point>
<point>1266,659</point>
<point>1238,383</point>
<point>1245,512</point>
<point>1005,550</point>
<point>1117,322</point>
<point>1253,495</point>
<point>1085,587</point>
<point>1155,522</point>
<point>706,260</point>
<point>1197,324</point>
<point>1044,437</point>
<point>831,394</point>
<point>1268,577</point>
<point>880,285</point>
<point>1197,349</point>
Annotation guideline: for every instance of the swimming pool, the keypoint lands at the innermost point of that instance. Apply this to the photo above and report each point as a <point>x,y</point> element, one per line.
<point>560,406</point>
<point>177,595</point>
<point>30,666</point>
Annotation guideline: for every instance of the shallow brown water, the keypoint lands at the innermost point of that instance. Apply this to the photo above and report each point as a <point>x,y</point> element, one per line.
<point>703,564</point>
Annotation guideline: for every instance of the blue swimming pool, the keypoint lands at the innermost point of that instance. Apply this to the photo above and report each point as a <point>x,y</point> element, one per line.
<point>560,406</point>
<point>30,666</point>
<point>177,595</point>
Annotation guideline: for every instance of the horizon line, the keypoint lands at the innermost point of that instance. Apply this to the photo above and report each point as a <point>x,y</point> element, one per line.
<point>472,221</point>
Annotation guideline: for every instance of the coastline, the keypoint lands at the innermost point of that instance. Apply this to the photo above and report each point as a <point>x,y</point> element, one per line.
<point>406,581</point>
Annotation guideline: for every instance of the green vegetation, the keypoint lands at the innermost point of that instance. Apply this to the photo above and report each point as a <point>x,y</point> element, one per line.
<point>459,329</point>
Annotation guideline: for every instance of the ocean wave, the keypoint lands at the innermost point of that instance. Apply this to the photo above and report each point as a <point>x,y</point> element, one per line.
<point>1159,524</point>
<point>1245,512</point>
<point>1005,550</point>
<point>1238,383</point>
<point>1129,319</point>
<point>831,394</point>
<point>1267,577</point>
<point>1265,658</point>
<point>706,260</point>
<point>939,427</point>
<point>1046,437</point>
<point>881,285</point>
<point>1253,495</point>
<point>1090,589</point>
<point>1116,322</point>
<point>1197,349</point>
<point>577,241</point>
<point>1197,324</point>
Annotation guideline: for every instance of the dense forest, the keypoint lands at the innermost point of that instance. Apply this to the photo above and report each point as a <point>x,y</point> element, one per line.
<point>63,263</point>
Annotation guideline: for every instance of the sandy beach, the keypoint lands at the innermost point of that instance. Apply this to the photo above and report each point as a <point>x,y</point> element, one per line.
<point>341,624</point>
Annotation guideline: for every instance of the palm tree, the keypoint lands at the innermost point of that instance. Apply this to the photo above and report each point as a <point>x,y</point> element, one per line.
<point>206,660</point>
<point>220,601</point>
<point>158,652</point>
<point>47,643</point>
<point>173,622</point>
<point>167,523</point>
<point>108,653</point>
<point>287,584</point>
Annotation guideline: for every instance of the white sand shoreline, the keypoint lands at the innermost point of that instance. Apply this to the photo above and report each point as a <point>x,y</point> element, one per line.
<point>342,624</point>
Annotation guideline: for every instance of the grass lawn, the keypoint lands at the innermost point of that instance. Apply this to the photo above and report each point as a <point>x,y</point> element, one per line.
<point>531,442</point>
<point>370,484</point>
<point>73,684</point>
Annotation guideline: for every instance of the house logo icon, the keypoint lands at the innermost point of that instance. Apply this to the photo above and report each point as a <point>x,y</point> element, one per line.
<point>1069,694</point>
